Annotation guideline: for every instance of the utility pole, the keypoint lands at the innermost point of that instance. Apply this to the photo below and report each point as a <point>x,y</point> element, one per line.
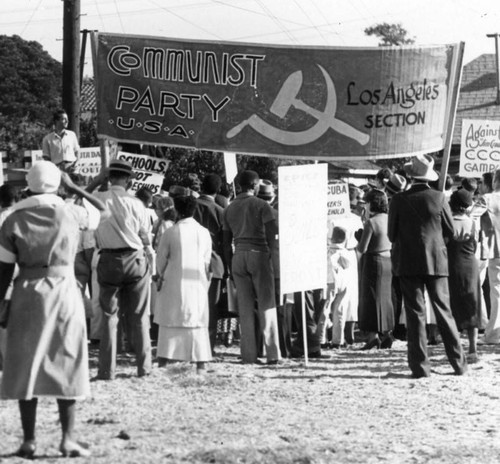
<point>71,63</point>
<point>495,36</point>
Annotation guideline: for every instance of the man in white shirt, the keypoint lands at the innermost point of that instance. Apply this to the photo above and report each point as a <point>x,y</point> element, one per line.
<point>123,270</point>
<point>61,146</point>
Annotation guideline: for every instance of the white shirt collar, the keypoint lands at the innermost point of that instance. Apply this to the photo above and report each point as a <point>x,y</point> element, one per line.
<point>44,199</point>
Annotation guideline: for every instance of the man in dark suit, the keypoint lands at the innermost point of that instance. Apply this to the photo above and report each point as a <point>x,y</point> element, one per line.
<point>419,221</point>
<point>209,214</point>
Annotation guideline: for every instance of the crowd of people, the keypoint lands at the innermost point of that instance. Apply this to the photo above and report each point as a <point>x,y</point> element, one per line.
<point>101,265</point>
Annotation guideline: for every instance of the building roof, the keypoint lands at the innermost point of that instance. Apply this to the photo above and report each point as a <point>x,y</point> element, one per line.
<point>478,93</point>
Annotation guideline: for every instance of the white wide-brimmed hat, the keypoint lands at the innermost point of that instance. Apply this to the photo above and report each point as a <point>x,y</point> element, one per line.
<point>422,167</point>
<point>43,177</point>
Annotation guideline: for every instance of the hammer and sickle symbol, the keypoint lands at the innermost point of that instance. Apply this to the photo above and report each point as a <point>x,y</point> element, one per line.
<point>287,97</point>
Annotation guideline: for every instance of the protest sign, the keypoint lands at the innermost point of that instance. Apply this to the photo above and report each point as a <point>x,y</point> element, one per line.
<point>230,167</point>
<point>302,227</point>
<point>270,100</point>
<point>36,155</point>
<point>338,200</point>
<point>88,163</point>
<point>149,171</point>
<point>480,147</point>
<point>338,205</point>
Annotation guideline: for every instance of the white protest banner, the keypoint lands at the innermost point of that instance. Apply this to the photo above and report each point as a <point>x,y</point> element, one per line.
<point>149,171</point>
<point>480,147</point>
<point>88,163</point>
<point>230,166</point>
<point>303,226</point>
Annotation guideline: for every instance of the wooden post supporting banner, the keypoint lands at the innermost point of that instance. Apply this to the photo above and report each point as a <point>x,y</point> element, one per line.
<point>71,63</point>
<point>455,78</point>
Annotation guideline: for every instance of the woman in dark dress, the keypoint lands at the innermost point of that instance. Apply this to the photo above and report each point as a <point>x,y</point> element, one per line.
<point>464,282</point>
<point>376,315</point>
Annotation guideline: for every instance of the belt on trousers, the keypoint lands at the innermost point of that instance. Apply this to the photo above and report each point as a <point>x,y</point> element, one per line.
<point>117,250</point>
<point>47,271</point>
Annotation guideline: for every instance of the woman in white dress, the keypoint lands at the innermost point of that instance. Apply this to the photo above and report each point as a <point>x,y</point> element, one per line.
<point>46,349</point>
<point>181,311</point>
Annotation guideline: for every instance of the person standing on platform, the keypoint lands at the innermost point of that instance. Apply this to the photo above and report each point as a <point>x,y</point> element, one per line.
<point>250,222</point>
<point>61,145</point>
<point>419,221</point>
<point>125,256</point>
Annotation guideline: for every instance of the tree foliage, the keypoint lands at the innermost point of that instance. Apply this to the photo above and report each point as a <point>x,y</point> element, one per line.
<point>30,90</point>
<point>390,34</point>
<point>188,164</point>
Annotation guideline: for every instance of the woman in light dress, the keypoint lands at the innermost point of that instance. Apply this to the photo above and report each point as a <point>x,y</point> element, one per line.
<point>46,350</point>
<point>181,310</point>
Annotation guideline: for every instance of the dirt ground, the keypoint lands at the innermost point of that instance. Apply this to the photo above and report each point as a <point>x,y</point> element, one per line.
<point>349,406</point>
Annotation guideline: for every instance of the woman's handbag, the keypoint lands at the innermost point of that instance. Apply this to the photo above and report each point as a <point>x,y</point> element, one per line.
<point>4,313</point>
<point>486,232</point>
<point>232,302</point>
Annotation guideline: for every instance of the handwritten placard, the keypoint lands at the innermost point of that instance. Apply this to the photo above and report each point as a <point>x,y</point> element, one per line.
<point>149,172</point>
<point>480,147</point>
<point>338,200</point>
<point>303,227</point>
<point>88,163</point>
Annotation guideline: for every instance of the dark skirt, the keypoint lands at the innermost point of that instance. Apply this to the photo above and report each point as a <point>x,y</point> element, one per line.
<point>376,312</point>
<point>465,284</point>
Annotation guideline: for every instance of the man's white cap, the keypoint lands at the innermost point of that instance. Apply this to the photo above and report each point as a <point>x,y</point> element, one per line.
<point>44,177</point>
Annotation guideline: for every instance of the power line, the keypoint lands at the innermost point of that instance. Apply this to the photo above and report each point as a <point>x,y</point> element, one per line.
<point>119,17</point>
<point>99,13</point>
<point>310,20</point>
<point>276,21</point>
<point>185,20</point>
<point>31,17</point>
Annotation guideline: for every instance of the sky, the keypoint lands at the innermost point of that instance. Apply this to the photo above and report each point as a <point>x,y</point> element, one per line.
<point>286,22</point>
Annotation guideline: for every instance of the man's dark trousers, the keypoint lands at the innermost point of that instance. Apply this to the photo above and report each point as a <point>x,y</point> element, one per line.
<point>414,300</point>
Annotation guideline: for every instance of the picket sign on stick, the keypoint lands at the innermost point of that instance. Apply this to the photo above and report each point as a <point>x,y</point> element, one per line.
<point>230,166</point>
<point>303,231</point>
<point>304,329</point>
<point>455,79</point>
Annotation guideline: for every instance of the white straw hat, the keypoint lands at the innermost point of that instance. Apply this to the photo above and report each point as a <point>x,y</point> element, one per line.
<point>44,177</point>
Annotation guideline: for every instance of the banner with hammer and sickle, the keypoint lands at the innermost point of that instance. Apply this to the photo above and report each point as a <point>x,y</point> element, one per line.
<point>296,102</point>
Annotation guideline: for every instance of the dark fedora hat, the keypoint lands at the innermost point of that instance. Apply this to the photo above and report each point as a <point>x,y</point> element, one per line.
<point>266,189</point>
<point>122,166</point>
<point>395,184</point>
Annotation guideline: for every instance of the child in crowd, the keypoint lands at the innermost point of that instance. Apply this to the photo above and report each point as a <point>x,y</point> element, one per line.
<point>339,260</point>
